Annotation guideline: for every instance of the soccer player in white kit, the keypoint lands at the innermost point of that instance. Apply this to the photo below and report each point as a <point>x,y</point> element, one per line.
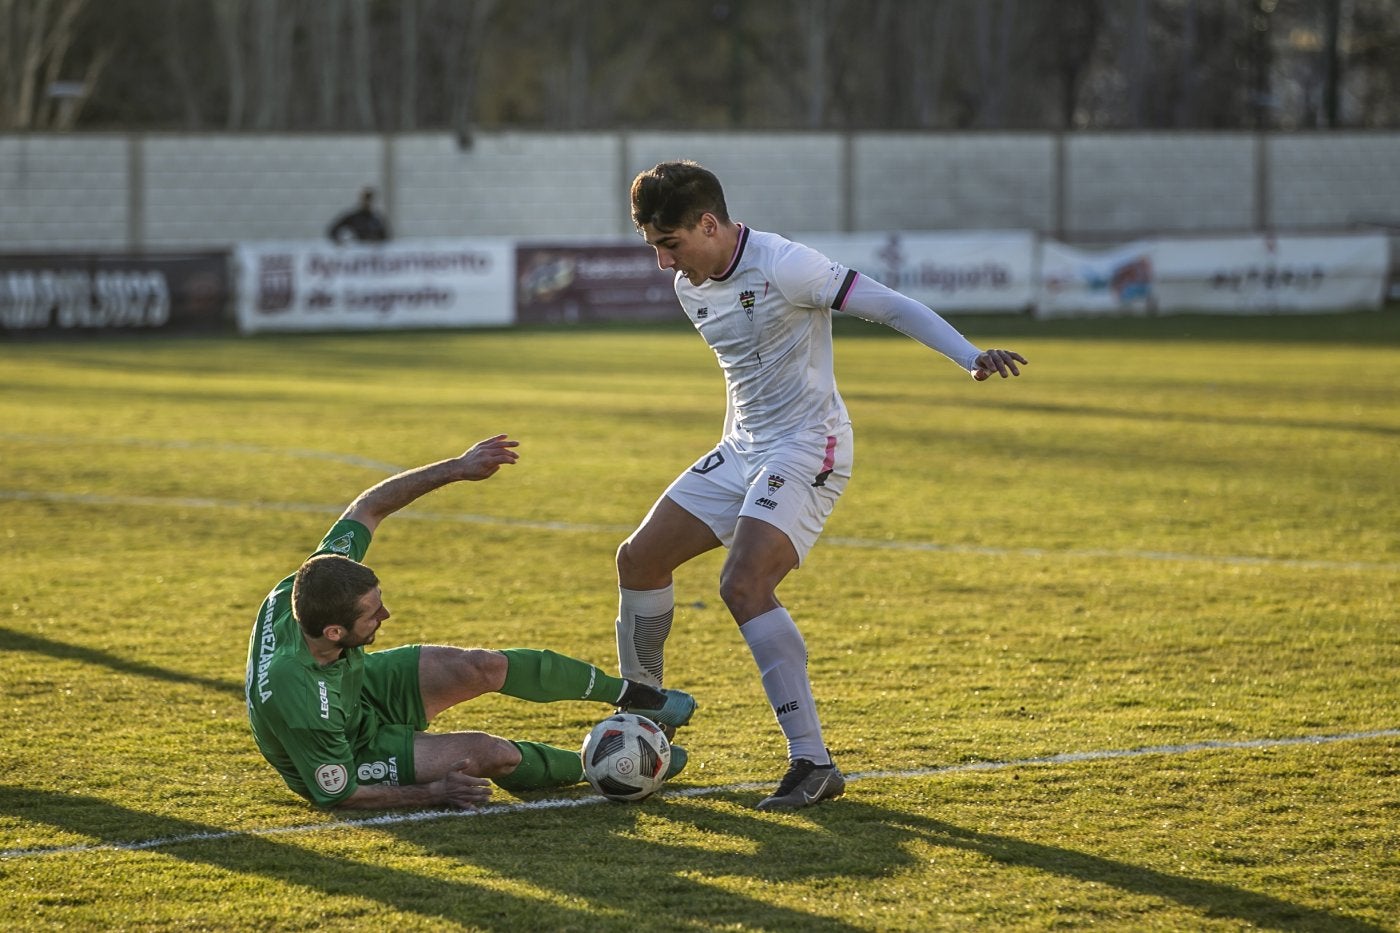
<point>763,304</point>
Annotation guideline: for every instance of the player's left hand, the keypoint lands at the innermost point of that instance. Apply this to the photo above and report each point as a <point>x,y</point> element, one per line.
<point>1001,362</point>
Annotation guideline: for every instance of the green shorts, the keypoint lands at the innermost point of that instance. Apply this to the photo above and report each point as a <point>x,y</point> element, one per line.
<point>393,705</point>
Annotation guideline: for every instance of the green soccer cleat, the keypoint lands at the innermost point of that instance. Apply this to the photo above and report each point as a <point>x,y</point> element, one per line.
<point>678,762</point>
<point>674,709</point>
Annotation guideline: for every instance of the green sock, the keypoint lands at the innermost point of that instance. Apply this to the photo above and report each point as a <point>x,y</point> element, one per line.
<point>546,676</point>
<point>542,766</point>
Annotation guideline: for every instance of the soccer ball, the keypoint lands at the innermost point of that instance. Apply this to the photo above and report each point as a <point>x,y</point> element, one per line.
<point>625,757</point>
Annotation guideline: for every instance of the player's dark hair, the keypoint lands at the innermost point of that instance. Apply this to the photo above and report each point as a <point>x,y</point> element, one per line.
<point>327,591</point>
<point>675,195</point>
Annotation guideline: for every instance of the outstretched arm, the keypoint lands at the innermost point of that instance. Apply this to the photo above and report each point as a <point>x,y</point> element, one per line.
<point>385,498</point>
<point>875,302</point>
<point>460,788</point>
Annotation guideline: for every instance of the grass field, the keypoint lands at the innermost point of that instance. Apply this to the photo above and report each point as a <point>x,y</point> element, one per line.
<point>1114,644</point>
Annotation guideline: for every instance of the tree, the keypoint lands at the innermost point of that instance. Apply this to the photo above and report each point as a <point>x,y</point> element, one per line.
<point>386,65</point>
<point>42,84</point>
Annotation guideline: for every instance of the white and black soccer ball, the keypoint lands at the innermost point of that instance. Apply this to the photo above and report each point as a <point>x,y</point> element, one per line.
<point>625,757</point>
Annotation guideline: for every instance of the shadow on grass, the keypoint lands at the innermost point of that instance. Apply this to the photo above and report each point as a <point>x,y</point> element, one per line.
<point>11,640</point>
<point>1209,898</point>
<point>555,858</point>
<point>294,865</point>
<point>641,882</point>
<point>594,870</point>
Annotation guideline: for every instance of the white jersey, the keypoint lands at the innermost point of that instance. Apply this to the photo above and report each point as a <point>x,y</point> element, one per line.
<point>768,319</point>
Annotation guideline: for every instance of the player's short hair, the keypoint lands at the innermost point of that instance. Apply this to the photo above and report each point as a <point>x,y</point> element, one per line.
<point>675,195</point>
<point>327,591</point>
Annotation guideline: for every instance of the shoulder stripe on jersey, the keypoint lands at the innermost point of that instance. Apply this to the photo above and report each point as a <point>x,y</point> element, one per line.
<point>738,254</point>
<point>851,276</point>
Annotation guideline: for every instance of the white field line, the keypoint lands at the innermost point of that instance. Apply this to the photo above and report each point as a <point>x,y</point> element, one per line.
<point>563,803</point>
<point>195,502</point>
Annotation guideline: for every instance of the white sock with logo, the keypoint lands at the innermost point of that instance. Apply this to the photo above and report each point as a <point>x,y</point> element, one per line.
<point>643,623</point>
<point>781,654</point>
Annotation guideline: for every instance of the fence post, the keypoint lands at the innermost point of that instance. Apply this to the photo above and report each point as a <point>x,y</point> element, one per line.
<point>1263,217</point>
<point>1058,196</point>
<point>135,193</point>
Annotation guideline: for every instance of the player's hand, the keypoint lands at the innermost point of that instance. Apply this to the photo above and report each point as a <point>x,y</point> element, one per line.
<point>463,789</point>
<point>1001,362</point>
<point>484,458</point>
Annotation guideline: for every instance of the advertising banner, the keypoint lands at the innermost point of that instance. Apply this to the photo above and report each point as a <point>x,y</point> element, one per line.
<point>310,285</point>
<point>110,292</point>
<point>1081,283</point>
<point>953,273</point>
<point>586,282</point>
<point>1268,275</point>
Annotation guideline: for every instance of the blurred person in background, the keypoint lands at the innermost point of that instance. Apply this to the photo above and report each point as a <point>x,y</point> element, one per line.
<point>362,225</point>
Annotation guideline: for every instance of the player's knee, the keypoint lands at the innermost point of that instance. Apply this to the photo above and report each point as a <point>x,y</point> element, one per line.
<point>743,593</point>
<point>501,756</point>
<point>634,570</point>
<point>487,756</point>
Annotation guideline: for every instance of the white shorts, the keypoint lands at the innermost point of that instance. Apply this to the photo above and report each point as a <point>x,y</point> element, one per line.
<point>792,486</point>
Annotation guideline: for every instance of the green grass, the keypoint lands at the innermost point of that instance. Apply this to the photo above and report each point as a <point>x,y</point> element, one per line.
<point>1168,533</point>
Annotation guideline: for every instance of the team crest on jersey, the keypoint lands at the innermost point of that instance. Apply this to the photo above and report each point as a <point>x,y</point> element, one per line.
<point>342,544</point>
<point>746,301</point>
<point>775,482</point>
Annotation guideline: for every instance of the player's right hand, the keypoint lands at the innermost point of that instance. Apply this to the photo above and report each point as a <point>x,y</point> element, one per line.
<point>464,790</point>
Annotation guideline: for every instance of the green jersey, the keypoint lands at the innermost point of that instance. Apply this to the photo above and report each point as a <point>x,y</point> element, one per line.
<point>308,719</point>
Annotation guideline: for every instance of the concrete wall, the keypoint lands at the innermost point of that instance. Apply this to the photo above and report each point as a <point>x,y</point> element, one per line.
<point>194,191</point>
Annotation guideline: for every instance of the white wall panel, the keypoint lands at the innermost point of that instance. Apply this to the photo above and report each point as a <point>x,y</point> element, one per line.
<point>1333,179</point>
<point>63,192</point>
<point>1140,182</point>
<point>908,181</point>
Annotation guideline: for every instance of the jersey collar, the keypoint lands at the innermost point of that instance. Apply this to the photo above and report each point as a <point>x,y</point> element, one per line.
<point>738,254</point>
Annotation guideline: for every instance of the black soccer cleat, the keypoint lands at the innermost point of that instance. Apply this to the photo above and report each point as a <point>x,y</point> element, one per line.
<point>805,784</point>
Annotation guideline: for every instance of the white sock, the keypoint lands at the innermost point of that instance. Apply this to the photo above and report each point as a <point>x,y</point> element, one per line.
<point>643,623</point>
<point>781,654</point>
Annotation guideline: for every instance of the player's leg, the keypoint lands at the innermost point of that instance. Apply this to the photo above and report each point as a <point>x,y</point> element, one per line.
<point>516,766</point>
<point>448,676</point>
<point>762,555</point>
<point>667,538</point>
<point>696,514</point>
<point>434,754</point>
<point>784,513</point>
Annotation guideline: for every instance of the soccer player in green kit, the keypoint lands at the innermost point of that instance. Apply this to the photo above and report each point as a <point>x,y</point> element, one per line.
<point>346,728</point>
